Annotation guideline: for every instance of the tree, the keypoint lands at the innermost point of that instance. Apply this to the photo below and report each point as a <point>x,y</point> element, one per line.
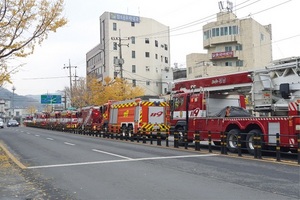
<point>23,24</point>
<point>93,92</point>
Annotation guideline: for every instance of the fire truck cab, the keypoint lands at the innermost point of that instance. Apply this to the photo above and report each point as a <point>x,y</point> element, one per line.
<point>140,114</point>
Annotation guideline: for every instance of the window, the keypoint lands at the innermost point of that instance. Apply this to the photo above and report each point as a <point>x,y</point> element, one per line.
<point>166,60</point>
<point>239,47</point>
<point>190,70</point>
<point>147,68</point>
<point>133,69</point>
<point>133,83</point>
<point>132,54</point>
<point>225,30</point>
<point>115,46</point>
<point>222,31</point>
<point>213,32</point>
<point>234,30</point>
<point>132,40</point>
<point>147,54</point>
<point>147,41</point>
<point>156,56</point>
<point>166,47</point>
<point>116,60</point>
<point>230,30</point>
<point>229,63</point>
<point>156,43</point>
<point>228,48</point>
<point>262,37</point>
<point>206,35</point>
<point>217,32</point>
<point>114,26</point>
<point>239,63</point>
<point>132,24</point>
<point>147,82</point>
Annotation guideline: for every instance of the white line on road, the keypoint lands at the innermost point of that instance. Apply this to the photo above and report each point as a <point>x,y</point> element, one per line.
<point>118,161</point>
<point>67,143</point>
<point>112,154</point>
<point>49,138</point>
<point>28,133</point>
<point>37,135</point>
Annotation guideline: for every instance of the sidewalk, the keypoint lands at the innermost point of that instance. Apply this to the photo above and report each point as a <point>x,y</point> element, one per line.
<point>13,184</point>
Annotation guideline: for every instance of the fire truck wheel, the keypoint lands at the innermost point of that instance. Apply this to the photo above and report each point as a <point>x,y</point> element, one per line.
<point>180,131</point>
<point>232,140</point>
<point>250,140</point>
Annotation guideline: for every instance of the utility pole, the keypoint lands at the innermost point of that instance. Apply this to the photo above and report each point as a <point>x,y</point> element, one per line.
<point>75,78</point>
<point>70,75</point>
<point>121,60</point>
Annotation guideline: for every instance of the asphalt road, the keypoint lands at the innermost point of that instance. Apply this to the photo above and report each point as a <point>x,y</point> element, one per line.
<point>68,166</point>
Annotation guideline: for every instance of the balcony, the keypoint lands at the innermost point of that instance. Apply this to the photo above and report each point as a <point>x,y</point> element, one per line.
<point>220,40</point>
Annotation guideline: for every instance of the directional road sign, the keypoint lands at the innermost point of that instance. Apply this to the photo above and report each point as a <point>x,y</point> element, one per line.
<point>51,99</point>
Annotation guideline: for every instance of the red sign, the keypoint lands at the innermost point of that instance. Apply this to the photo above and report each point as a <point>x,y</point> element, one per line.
<point>220,55</point>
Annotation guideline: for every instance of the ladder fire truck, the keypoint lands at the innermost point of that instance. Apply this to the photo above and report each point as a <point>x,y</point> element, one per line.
<point>140,114</point>
<point>263,102</point>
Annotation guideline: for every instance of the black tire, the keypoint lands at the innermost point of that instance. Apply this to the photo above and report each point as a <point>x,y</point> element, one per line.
<point>250,140</point>
<point>180,132</point>
<point>232,138</point>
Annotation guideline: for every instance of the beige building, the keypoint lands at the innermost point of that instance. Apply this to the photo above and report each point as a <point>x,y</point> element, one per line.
<point>232,45</point>
<point>134,48</point>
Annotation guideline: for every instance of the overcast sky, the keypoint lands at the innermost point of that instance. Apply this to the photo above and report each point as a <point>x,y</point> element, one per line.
<point>44,71</point>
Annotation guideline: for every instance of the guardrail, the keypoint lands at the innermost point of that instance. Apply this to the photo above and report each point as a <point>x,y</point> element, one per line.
<point>159,136</point>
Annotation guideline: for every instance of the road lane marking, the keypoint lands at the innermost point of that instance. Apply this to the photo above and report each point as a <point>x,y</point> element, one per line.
<point>119,161</point>
<point>11,156</point>
<point>28,133</point>
<point>37,135</point>
<point>67,143</point>
<point>112,154</point>
<point>49,138</point>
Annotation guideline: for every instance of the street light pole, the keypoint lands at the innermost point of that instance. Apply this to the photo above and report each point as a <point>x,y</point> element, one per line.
<point>13,101</point>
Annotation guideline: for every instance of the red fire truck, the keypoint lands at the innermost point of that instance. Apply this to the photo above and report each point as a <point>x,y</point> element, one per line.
<point>143,113</point>
<point>41,119</point>
<point>68,120</point>
<point>272,95</point>
<point>90,119</point>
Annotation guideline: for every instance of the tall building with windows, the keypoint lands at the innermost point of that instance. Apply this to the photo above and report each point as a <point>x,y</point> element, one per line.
<point>232,45</point>
<point>134,48</point>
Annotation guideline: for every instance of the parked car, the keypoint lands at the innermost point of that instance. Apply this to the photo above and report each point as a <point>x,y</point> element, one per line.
<point>1,123</point>
<point>12,122</point>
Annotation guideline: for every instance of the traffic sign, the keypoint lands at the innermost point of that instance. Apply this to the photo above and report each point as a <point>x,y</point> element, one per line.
<point>50,99</point>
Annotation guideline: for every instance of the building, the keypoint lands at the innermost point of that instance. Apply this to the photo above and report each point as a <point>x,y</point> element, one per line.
<point>134,48</point>
<point>232,45</point>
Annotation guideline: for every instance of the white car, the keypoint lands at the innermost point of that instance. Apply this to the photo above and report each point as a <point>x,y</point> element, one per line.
<point>1,123</point>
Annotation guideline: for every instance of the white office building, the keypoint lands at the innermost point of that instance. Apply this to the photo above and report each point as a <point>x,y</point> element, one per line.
<point>134,48</point>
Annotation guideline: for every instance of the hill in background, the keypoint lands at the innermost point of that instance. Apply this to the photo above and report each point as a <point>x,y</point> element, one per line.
<point>21,101</point>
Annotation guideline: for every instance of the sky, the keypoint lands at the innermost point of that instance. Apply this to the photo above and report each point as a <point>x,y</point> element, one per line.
<point>43,72</point>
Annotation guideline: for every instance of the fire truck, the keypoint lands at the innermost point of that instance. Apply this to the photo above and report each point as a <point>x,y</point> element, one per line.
<point>54,120</point>
<point>40,119</point>
<point>148,114</point>
<point>68,120</point>
<point>90,119</point>
<point>263,102</point>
